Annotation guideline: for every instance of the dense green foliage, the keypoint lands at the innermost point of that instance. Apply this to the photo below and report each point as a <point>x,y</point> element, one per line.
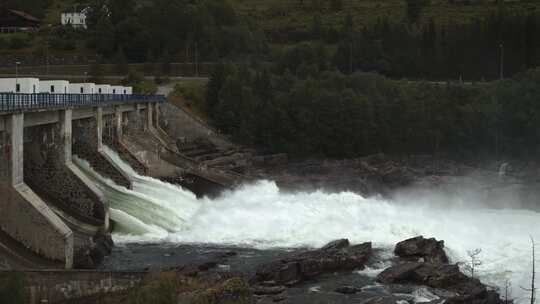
<point>210,30</point>
<point>468,51</point>
<point>338,115</point>
<point>159,30</point>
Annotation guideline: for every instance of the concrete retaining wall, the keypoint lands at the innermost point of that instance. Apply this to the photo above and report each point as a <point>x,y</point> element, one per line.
<point>22,212</point>
<point>181,125</point>
<point>58,286</point>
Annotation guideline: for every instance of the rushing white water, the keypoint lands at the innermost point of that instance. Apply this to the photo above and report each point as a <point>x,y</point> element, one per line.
<point>261,216</point>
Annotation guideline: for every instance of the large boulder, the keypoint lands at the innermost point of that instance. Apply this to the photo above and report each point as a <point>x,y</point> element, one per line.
<point>440,276</point>
<point>336,256</point>
<point>414,249</point>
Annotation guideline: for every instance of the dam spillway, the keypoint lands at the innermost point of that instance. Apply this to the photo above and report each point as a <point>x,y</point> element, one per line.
<point>41,188</point>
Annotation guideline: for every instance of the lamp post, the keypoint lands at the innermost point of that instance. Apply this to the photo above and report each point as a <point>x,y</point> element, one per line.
<point>17,75</point>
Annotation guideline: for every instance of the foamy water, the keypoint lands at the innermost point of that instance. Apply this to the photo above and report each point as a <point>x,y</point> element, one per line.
<point>259,215</point>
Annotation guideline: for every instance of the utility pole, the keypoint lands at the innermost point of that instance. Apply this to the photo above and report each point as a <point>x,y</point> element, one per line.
<point>533,288</point>
<point>47,57</point>
<point>501,46</point>
<point>17,75</point>
<point>197,59</point>
<point>351,58</point>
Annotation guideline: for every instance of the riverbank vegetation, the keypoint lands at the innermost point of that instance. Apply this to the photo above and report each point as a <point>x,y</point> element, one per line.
<point>173,288</point>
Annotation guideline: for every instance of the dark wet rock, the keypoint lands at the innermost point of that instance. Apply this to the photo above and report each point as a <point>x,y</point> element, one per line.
<point>399,274</point>
<point>229,254</point>
<point>430,250</point>
<point>83,260</point>
<point>279,298</point>
<point>268,283</point>
<point>348,290</point>
<point>400,288</point>
<point>308,265</point>
<point>90,258</point>
<point>382,300</point>
<point>267,290</point>
<point>446,277</point>
<point>337,244</point>
<point>395,175</point>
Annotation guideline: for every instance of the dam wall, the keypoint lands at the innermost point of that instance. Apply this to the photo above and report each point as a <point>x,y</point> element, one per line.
<point>25,217</point>
<point>47,205</point>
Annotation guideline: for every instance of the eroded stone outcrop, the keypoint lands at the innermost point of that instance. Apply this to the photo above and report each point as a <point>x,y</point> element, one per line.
<point>337,256</point>
<point>428,250</point>
<point>441,276</point>
<point>423,262</point>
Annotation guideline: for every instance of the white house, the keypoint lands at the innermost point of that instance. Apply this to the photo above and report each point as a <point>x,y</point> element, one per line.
<point>103,89</point>
<point>75,18</point>
<point>82,88</point>
<point>117,90</point>
<point>19,85</point>
<point>54,86</point>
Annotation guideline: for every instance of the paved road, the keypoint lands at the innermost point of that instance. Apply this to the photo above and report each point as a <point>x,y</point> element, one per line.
<point>55,76</point>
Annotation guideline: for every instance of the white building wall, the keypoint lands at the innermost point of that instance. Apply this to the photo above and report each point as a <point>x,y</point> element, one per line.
<point>26,85</point>
<point>77,20</point>
<point>54,86</point>
<point>129,90</point>
<point>117,90</point>
<point>82,88</point>
<point>103,89</point>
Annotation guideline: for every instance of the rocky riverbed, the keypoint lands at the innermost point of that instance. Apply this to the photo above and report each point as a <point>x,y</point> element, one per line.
<point>417,271</point>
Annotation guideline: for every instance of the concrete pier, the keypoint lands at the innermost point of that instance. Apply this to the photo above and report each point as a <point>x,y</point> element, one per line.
<point>25,217</point>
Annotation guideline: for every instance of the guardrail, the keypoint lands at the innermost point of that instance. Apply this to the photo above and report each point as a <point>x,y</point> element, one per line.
<point>16,102</point>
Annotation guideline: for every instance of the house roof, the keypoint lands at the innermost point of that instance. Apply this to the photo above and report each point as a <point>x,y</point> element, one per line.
<point>24,15</point>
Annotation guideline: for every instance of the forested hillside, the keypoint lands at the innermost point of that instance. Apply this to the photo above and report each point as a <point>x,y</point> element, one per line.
<point>332,114</point>
<point>416,39</point>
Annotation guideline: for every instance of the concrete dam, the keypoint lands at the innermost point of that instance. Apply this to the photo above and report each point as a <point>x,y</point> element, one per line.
<point>52,215</point>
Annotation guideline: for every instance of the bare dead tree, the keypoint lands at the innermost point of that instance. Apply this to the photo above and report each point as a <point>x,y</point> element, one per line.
<point>507,291</point>
<point>533,288</point>
<point>474,261</point>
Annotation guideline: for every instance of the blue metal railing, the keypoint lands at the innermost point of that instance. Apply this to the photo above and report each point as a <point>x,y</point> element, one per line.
<point>16,102</point>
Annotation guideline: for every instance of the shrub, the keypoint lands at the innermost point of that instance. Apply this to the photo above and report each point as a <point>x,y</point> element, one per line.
<point>19,42</point>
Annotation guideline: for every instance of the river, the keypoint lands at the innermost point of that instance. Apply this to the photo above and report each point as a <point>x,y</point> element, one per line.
<point>260,218</point>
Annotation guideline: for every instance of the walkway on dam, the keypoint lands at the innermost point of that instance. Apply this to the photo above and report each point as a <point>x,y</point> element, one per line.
<point>19,102</point>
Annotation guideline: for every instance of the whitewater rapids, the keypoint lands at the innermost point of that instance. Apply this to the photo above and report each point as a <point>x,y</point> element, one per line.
<point>260,216</point>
